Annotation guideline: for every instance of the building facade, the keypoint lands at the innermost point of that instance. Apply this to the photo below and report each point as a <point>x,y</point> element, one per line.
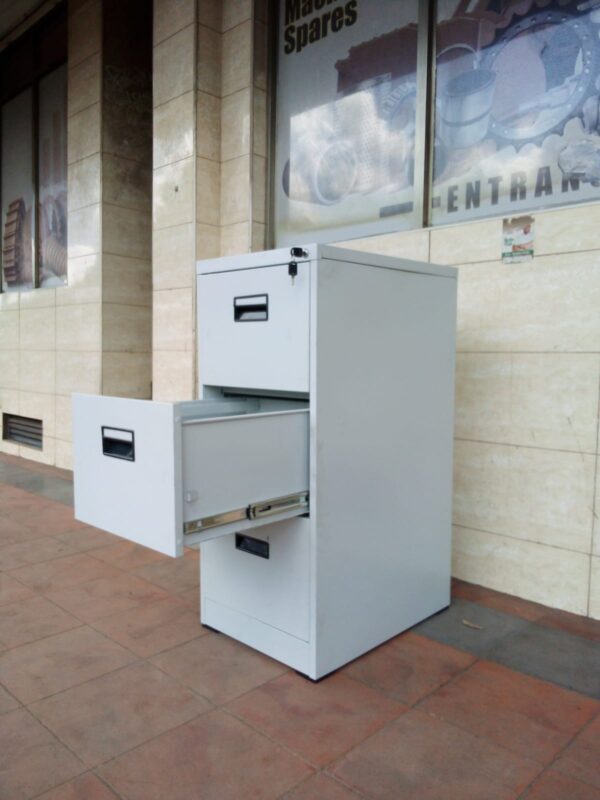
<point>174,147</point>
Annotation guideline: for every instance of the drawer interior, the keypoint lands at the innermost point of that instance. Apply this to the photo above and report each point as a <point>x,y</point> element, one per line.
<point>241,469</point>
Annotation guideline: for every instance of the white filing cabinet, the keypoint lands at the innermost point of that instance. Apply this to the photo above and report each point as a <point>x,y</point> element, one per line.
<point>316,469</point>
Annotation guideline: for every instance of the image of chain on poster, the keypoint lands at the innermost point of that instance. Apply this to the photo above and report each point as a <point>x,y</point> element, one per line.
<point>345,117</point>
<point>517,106</point>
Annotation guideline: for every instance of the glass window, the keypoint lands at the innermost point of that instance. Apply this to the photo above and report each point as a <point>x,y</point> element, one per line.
<point>18,193</point>
<point>346,112</point>
<point>52,170</point>
<point>517,107</point>
<point>33,157</point>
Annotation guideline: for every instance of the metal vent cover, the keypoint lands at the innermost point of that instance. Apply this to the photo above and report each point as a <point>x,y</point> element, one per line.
<point>23,430</point>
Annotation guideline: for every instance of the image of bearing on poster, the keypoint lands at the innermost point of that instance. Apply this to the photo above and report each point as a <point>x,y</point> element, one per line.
<point>346,111</point>
<point>517,106</point>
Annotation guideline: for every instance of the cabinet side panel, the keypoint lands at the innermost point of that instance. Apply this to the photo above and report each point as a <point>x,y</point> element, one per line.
<point>383,398</point>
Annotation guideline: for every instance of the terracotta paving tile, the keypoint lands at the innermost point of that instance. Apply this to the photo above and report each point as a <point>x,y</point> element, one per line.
<point>33,551</point>
<point>128,555</point>
<point>192,598</point>
<point>48,517</point>
<point>523,714</point>
<point>175,574</point>
<point>7,701</point>
<point>17,503</point>
<point>114,713</point>
<point>12,590</point>
<point>12,532</point>
<point>498,600</point>
<point>153,627</point>
<point>105,596</point>
<point>409,667</point>
<point>28,620</point>
<point>320,787</point>
<point>88,538</point>
<point>84,787</point>
<point>581,759</point>
<point>61,573</point>
<point>554,786</point>
<point>217,667</point>
<point>214,757</point>
<point>36,466</point>
<point>572,623</point>
<point>418,757</point>
<point>31,759</point>
<point>320,721</point>
<point>40,669</point>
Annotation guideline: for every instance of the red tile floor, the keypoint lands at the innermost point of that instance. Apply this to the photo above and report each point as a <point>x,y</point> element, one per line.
<point>110,688</point>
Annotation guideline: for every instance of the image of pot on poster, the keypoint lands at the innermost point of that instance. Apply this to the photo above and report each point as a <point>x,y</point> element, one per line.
<point>512,79</point>
<point>17,250</point>
<point>357,144</point>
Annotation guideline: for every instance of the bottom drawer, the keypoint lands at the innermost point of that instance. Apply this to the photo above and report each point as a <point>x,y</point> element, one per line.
<point>147,471</point>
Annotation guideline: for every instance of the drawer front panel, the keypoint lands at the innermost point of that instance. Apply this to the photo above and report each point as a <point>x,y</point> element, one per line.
<point>273,590</point>
<point>124,470</point>
<point>254,328</point>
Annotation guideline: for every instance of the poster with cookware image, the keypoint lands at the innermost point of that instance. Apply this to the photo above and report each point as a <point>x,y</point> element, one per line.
<point>517,106</point>
<point>345,117</point>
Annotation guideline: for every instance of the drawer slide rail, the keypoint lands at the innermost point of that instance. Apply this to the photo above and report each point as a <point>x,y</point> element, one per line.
<point>254,511</point>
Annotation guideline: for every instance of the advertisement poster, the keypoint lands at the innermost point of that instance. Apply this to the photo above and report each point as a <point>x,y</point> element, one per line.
<point>53,179</point>
<point>18,196</point>
<point>517,106</point>
<point>346,108</point>
<point>518,236</point>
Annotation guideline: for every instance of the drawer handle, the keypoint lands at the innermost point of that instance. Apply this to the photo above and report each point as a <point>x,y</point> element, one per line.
<point>251,308</point>
<point>118,443</point>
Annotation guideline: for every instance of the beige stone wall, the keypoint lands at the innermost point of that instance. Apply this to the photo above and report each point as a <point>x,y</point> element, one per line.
<point>92,335</point>
<point>526,486</point>
<point>210,123</point>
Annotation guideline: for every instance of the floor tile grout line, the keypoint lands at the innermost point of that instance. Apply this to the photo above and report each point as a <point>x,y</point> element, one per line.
<point>314,766</point>
<point>525,624</point>
<point>43,638</point>
<point>78,685</point>
<point>557,755</point>
<point>289,792</point>
<point>452,679</point>
<point>280,745</point>
<point>76,777</point>
<point>59,740</point>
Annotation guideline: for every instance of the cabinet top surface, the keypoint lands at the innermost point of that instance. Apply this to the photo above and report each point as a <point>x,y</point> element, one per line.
<point>315,252</point>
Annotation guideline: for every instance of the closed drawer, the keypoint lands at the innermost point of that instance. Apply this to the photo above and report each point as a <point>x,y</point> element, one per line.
<point>166,475</point>
<point>254,328</point>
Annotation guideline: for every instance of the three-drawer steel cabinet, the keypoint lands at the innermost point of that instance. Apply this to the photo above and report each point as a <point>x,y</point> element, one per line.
<point>315,470</point>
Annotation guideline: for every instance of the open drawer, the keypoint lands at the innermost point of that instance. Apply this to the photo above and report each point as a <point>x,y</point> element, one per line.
<point>166,475</point>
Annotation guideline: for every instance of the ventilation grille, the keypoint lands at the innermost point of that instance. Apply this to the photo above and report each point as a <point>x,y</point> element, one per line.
<point>23,430</point>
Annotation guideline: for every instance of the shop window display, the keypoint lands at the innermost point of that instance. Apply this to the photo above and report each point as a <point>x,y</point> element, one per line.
<point>346,116</point>
<point>18,192</point>
<point>33,153</point>
<point>517,106</point>
<point>514,117</point>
